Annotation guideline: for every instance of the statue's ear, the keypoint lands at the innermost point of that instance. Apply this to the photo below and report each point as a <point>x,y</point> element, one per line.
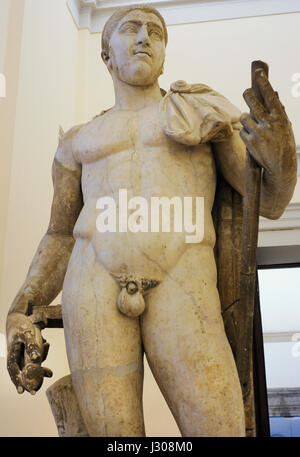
<point>105,57</point>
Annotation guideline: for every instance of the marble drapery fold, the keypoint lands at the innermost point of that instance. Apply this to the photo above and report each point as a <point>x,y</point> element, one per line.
<point>194,113</point>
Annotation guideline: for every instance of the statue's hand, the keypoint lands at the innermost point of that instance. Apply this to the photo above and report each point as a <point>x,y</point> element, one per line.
<point>267,131</point>
<point>26,350</point>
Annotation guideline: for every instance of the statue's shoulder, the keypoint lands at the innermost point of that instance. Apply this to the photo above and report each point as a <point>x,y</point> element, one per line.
<point>76,133</point>
<point>64,153</point>
<point>66,138</point>
<point>76,139</point>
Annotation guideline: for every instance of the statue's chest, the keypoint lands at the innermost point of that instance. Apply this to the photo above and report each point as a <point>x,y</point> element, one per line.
<point>119,132</point>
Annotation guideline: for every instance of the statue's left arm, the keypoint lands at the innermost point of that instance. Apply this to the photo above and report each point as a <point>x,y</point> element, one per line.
<point>268,136</point>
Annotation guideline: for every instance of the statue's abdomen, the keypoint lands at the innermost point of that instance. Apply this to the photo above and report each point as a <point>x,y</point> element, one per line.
<point>165,173</point>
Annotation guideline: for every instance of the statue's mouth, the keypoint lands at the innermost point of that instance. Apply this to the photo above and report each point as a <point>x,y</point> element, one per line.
<point>142,52</point>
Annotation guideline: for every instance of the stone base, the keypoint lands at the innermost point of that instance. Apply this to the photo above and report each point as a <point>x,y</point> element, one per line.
<point>65,409</point>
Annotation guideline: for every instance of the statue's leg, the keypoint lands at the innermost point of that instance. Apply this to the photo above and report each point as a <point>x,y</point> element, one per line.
<point>188,351</point>
<point>103,347</point>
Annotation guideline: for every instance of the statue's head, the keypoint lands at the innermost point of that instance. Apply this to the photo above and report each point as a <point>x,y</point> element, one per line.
<point>133,44</point>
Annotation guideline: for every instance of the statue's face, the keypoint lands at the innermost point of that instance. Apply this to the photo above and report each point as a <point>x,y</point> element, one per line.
<point>137,49</point>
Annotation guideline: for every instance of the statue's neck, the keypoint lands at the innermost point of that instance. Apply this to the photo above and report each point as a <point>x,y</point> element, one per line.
<point>135,98</point>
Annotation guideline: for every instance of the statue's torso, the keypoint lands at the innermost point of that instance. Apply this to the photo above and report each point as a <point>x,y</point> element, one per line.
<point>128,150</point>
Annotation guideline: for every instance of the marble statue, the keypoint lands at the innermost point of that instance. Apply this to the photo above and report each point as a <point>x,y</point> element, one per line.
<point>132,291</point>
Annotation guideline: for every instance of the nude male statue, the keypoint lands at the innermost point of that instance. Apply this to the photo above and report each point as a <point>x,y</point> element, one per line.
<point>181,329</point>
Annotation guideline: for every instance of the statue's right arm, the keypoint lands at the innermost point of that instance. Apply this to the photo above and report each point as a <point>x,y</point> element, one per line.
<point>48,268</point>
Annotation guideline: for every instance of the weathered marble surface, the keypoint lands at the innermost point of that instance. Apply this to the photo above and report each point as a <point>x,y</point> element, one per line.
<point>65,409</point>
<point>181,328</point>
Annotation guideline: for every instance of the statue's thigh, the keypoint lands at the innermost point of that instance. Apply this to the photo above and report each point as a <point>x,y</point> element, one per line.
<point>103,348</point>
<point>188,351</point>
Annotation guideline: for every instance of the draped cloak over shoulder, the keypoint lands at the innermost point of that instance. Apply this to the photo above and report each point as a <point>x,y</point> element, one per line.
<point>194,113</point>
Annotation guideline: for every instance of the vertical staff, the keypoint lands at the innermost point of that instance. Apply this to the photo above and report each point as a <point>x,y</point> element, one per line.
<point>251,203</point>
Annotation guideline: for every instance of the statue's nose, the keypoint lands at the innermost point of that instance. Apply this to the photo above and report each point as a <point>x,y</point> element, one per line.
<point>143,36</point>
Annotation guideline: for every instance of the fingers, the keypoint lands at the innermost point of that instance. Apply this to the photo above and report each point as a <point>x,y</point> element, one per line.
<point>30,378</point>
<point>248,123</point>
<point>26,351</point>
<point>270,97</point>
<point>32,349</point>
<point>47,372</point>
<point>33,375</point>
<point>27,375</point>
<point>246,137</point>
<point>250,141</point>
<point>45,350</point>
<point>13,360</point>
<point>258,111</point>
<point>271,102</point>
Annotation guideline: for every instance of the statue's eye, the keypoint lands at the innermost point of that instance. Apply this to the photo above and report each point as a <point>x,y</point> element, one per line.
<point>155,33</point>
<point>130,28</point>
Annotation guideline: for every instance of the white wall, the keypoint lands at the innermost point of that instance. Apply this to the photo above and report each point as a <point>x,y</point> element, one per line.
<point>62,80</point>
<point>4,17</point>
<point>11,23</point>
<point>46,97</point>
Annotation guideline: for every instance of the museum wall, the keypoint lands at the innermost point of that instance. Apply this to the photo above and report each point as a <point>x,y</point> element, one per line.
<point>46,97</point>
<point>11,26</point>
<point>4,14</point>
<point>61,80</point>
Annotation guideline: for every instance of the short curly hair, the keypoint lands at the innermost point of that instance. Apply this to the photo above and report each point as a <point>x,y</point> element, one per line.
<point>115,18</point>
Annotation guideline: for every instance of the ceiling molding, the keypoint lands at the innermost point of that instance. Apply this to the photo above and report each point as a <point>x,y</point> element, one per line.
<point>92,14</point>
<point>281,337</point>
